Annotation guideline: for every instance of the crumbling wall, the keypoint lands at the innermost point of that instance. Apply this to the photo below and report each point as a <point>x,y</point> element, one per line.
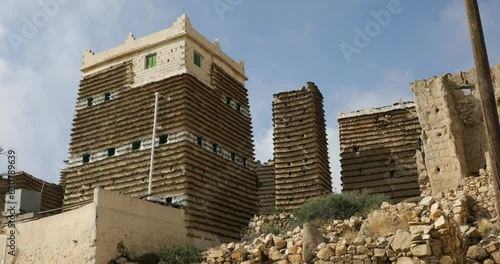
<point>205,163</point>
<point>300,147</point>
<point>377,150</point>
<point>51,194</point>
<point>453,134</point>
<point>266,190</point>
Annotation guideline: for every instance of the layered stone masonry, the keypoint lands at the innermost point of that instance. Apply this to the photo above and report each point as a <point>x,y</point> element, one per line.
<point>266,182</point>
<point>300,148</point>
<point>377,150</point>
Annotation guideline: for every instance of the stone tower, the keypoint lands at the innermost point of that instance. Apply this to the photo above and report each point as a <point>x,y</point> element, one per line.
<point>203,144</point>
<point>301,163</point>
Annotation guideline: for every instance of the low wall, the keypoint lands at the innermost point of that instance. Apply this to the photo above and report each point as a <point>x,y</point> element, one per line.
<point>64,238</point>
<point>138,225</point>
<point>97,232</point>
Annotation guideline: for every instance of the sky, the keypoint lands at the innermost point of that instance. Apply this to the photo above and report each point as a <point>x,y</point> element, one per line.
<point>360,53</point>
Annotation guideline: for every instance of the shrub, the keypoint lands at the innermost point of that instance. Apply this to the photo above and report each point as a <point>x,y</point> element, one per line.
<point>172,255</point>
<point>381,223</point>
<point>486,227</point>
<point>337,206</point>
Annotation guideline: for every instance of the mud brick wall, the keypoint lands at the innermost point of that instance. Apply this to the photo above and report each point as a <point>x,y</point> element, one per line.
<point>453,134</point>
<point>300,147</point>
<point>52,194</point>
<point>266,186</point>
<point>212,175</point>
<point>377,149</point>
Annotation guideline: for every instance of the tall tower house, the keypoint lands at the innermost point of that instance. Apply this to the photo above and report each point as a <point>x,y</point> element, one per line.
<point>203,144</point>
<point>301,163</point>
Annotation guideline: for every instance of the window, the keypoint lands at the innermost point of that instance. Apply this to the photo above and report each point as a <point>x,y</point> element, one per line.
<point>86,158</point>
<point>136,145</point>
<point>215,148</point>
<point>199,141</point>
<point>197,59</point>
<point>244,162</point>
<point>111,152</point>
<point>228,100</point>
<point>233,156</point>
<point>150,61</point>
<point>238,107</point>
<point>90,101</point>
<point>163,139</point>
<point>107,97</point>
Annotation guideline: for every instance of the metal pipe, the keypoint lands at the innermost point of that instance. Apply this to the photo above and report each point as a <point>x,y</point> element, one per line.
<point>152,147</point>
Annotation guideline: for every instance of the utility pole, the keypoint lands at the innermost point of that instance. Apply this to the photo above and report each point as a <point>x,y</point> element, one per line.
<point>486,94</point>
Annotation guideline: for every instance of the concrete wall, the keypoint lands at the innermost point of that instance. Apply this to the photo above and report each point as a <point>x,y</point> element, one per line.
<point>138,225</point>
<point>377,150</point>
<point>453,133</point>
<point>91,233</point>
<point>300,147</point>
<point>64,238</point>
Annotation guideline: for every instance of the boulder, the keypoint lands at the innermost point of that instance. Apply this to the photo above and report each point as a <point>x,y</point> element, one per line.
<point>311,239</point>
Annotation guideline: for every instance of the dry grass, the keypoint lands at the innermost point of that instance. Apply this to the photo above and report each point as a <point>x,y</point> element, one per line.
<point>381,223</point>
<point>486,227</point>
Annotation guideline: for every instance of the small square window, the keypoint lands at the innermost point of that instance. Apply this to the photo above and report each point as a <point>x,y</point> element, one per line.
<point>244,162</point>
<point>111,152</point>
<point>150,61</point>
<point>86,158</point>
<point>136,145</point>
<point>228,100</point>
<point>163,139</point>
<point>215,148</point>
<point>197,59</point>
<point>107,97</point>
<point>199,141</point>
<point>90,101</point>
<point>233,156</point>
<point>238,107</point>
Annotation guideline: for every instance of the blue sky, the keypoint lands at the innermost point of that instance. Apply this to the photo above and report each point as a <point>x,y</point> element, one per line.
<point>284,43</point>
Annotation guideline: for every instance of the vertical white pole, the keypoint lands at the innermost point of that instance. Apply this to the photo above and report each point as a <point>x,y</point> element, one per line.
<point>152,147</point>
<point>4,252</point>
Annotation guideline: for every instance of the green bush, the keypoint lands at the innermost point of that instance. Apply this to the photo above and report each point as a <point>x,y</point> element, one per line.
<point>337,206</point>
<point>172,255</point>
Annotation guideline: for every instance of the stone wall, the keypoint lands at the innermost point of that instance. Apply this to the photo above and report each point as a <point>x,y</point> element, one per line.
<point>266,186</point>
<point>377,150</point>
<point>300,147</point>
<point>453,133</point>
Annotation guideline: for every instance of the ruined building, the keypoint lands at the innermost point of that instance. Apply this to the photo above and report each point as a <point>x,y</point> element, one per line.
<point>377,150</point>
<point>453,133</point>
<point>203,140</point>
<point>301,163</point>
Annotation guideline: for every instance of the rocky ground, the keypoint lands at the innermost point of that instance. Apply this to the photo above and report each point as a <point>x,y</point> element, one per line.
<point>443,229</point>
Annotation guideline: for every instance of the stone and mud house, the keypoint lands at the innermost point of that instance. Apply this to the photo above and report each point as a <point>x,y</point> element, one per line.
<point>377,150</point>
<point>203,147</point>
<point>301,163</point>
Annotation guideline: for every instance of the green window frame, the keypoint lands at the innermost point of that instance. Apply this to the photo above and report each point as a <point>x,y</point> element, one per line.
<point>163,139</point>
<point>151,61</point>
<point>197,59</point>
<point>111,152</point>
<point>136,145</point>
<point>86,158</point>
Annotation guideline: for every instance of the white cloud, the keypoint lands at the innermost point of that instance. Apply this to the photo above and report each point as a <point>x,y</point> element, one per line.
<point>334,157</point>
<point>264,145</point>
<point>394,85</point>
